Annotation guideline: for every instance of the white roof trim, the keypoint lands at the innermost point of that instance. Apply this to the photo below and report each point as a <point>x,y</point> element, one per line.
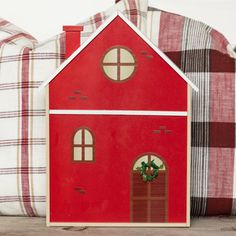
<point>137,31</point>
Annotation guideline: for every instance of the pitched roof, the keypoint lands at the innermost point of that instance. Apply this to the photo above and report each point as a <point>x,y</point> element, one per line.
<point>137,31</point>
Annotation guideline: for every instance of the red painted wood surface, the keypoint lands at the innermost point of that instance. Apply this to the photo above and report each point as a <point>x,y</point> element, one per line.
<point>119,141</point>
<point>100,191</point>
<point>83,85</point>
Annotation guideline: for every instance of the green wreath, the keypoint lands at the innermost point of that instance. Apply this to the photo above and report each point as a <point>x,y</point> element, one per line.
<point>143,171</point>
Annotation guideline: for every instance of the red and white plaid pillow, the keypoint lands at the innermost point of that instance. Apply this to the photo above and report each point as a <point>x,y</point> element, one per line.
<point>200,51</point>
<point>24,64</point>
<point>205,56</point>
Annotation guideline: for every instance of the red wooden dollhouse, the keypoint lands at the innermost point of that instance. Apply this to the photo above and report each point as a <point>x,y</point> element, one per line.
<point>119,132</point>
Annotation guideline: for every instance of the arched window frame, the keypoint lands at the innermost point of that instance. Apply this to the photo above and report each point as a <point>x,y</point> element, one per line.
<point>83,145</point>
<point>149,155</point>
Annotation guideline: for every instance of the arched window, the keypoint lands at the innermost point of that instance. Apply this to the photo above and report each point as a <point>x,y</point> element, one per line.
<point>119,63</point>
<point>83,145</point>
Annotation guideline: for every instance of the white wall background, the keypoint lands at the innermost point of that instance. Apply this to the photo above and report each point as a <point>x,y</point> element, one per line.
<point>44,18</point>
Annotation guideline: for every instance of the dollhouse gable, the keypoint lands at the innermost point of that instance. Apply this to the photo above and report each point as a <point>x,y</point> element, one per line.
<point>117,30</point>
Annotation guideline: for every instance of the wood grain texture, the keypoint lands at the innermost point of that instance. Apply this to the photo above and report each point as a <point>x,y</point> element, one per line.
<point>34,226</point>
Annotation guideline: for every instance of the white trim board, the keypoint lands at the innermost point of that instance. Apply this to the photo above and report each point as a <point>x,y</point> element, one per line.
<point>84,224</point>
<point>118,112</point>
<point>137,31</point>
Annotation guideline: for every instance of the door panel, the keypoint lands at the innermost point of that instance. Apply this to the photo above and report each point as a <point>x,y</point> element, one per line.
<point>139,187</point>
<point>140,211</point>
<point>158,186</point>
<point>158,210</point>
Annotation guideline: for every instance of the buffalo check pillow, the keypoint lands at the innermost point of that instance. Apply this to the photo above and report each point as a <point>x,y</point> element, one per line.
<point>24,64</point>
<point>205,57</point>
<point>200,51</point>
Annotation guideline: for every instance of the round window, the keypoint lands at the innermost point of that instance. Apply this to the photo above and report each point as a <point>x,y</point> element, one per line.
<point>118,64</point>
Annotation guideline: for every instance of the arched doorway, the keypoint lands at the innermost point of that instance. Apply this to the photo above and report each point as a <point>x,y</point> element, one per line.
<point>149,199</point>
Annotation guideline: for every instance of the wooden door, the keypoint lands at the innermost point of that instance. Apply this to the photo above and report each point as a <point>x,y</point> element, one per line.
<point>149,200</point>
